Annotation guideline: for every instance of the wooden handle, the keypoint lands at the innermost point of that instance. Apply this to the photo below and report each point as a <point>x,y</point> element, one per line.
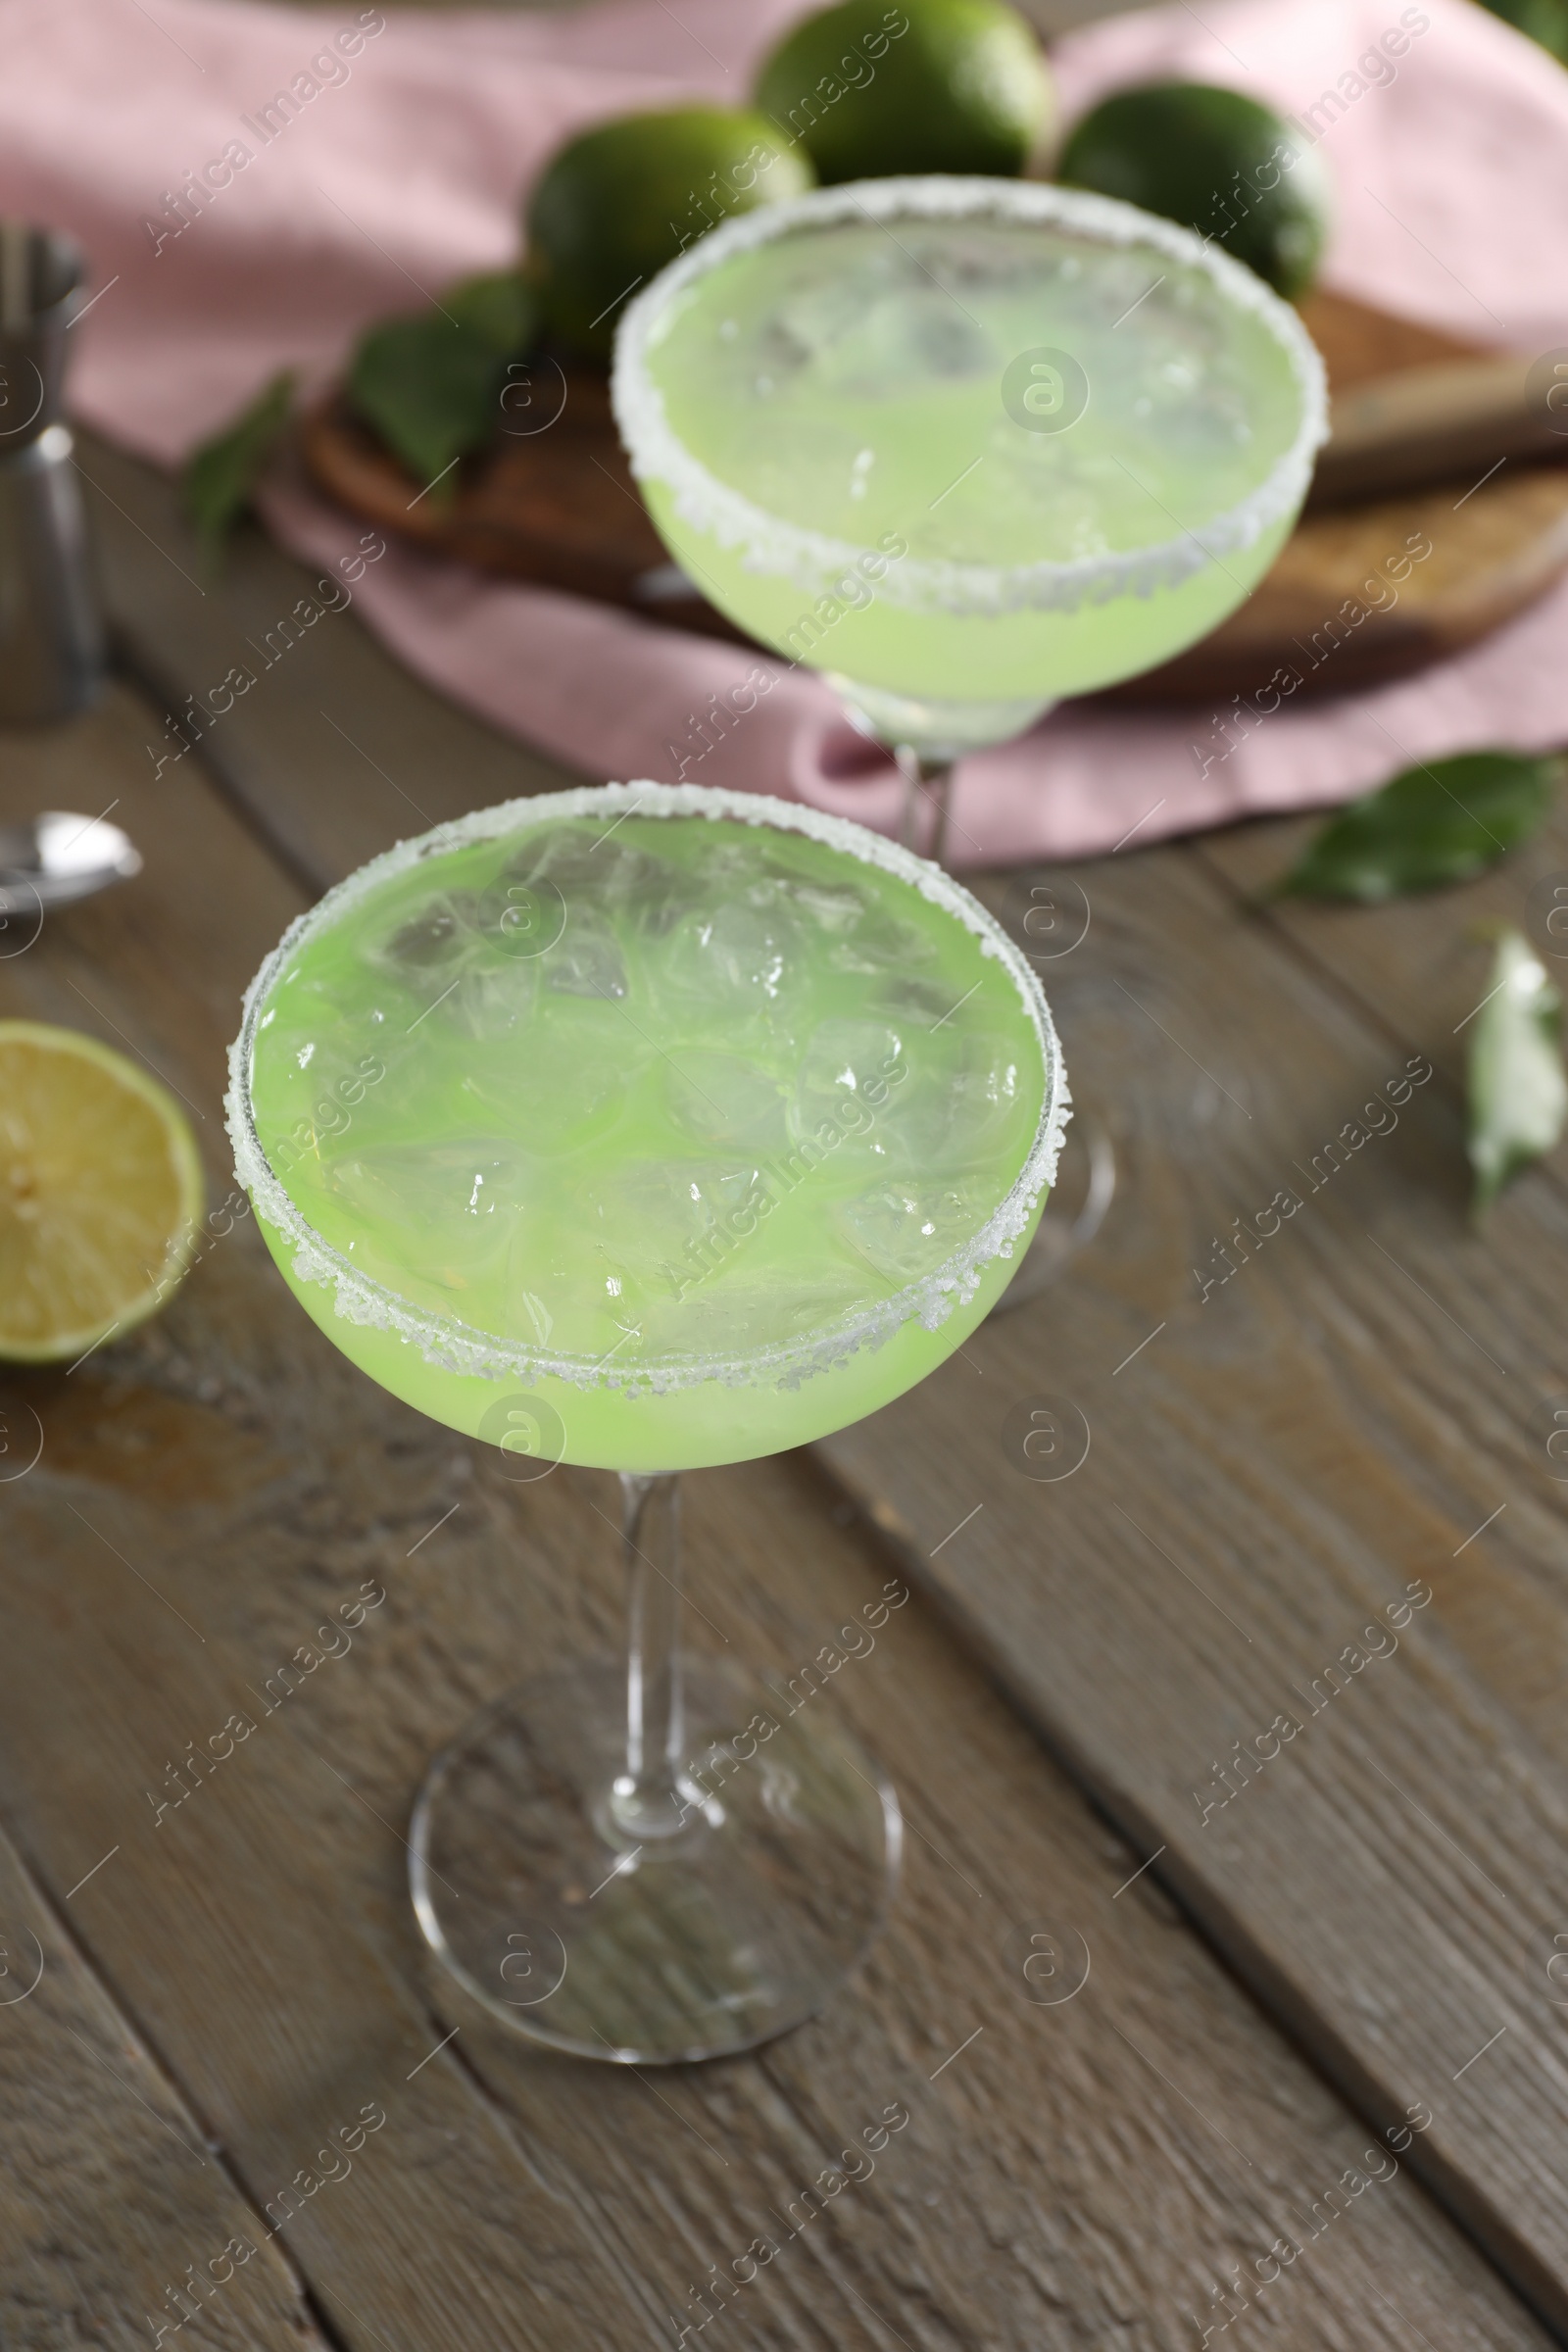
<point>1431,423</point>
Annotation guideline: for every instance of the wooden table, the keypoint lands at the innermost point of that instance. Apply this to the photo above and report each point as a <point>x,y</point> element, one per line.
<point>1320,2013</point>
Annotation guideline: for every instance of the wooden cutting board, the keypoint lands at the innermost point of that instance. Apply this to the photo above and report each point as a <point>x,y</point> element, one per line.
<point>1351,599</point>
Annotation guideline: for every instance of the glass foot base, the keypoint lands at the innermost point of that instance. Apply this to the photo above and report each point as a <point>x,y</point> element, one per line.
<point>739,1924</point>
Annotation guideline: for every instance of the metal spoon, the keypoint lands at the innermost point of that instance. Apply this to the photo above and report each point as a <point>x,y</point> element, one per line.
<point>56,857</point>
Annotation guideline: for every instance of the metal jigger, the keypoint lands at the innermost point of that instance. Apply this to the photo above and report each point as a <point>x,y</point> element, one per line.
<point>51,636</point>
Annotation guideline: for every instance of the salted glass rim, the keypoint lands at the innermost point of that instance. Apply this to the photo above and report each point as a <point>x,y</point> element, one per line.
<point>457,1347</point>
<point>813,560</point>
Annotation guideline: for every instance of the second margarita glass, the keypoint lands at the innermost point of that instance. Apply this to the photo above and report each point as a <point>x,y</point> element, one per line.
<point>966,446</point>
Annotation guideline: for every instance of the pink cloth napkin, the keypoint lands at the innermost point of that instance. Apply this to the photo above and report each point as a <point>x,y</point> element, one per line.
<point>399,163</point>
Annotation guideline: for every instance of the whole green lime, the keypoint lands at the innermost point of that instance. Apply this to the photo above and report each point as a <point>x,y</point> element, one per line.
<point>1217,162</point>
<point>617,203</point>
<point>931,85</point>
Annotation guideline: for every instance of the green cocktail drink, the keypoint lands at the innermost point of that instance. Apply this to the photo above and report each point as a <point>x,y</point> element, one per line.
<point>629,1129</point>
<point>968,446</point>
<point>645,1128</point>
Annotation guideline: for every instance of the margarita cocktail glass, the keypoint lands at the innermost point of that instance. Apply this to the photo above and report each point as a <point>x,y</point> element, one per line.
<point>645,1128</point>
<point>966,446</point>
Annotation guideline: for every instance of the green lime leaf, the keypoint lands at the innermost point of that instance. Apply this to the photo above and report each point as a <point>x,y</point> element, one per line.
<point>431,384</point>
<point>1444,823</point>
<point>1518,1094</point>
<point>501,306</point>
<point>217,482</point>
<point>1544,20</point>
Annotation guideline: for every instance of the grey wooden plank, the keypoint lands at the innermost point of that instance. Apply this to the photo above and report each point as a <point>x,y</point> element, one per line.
<point>1416,969</point>
<point>120,2220</point>
<point>1274,1461</point>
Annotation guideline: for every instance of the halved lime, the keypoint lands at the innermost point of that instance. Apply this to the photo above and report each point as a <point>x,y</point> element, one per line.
<point>100,1193</point>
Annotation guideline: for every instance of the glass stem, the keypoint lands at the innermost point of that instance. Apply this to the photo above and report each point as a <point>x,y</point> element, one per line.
<point>648,1801</point>
<point>928,792</point>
